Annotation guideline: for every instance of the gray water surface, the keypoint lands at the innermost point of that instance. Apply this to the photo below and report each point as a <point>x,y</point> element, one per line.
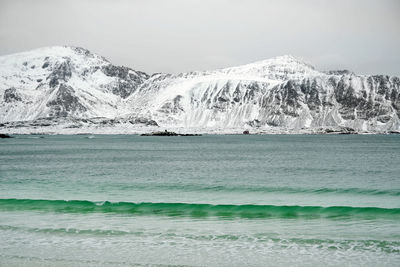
<point>214,200</point>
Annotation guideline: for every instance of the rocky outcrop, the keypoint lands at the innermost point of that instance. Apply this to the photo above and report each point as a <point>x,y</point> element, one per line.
<point>61,73</point>
<point>5,136</point>
<point>65,102</point>
<point>167,133</point>
<point>11,95</point>
<point>128,80</point>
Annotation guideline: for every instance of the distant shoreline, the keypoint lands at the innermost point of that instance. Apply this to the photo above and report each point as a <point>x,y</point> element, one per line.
<point>29,127</point>
<point>191,134</point>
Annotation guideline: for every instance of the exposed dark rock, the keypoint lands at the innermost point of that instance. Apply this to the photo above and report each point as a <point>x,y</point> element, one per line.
<point>144,121</point>
<point>364,106</point>
<point>255,123</point>
<point>11,95</point>
<point>173,106</point>
<point>123,89</point>
<point>61,73</point>
<point>340,130</point>
<point>40,124</point>
<point>347,129</point>
<point>384,118</point>
<point>115,71</point>
<point>166,133</point>
<point>311,93</point>
<point>252,89</point>
<point>128,79</point>
<point>272,123</point>
<point>5,136</point>
<point>286,96</point>
<point>81,51</point>
<point>65,102</point>
<point>189,134</point>
<point>347,133</point>
<point>339,72</point>
<point>110,122</point>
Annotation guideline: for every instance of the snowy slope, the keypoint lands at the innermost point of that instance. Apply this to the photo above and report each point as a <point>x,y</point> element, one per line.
<point>70,87</point>
<point>62,82</point>
<point>282,92</point>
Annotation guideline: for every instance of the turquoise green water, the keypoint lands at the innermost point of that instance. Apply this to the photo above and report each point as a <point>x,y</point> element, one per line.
<point>200,201</point>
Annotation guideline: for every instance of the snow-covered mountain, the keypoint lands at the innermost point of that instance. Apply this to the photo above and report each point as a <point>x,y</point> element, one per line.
<point>69,89</point>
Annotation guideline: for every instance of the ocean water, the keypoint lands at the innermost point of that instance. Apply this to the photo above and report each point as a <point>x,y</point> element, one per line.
<point>213,200</point>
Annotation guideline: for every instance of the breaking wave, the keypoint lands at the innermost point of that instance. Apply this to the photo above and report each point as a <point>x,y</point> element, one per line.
<point>198,210</point>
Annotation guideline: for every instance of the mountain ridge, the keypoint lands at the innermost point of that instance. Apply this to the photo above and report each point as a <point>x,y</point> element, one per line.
<point>58,89</point>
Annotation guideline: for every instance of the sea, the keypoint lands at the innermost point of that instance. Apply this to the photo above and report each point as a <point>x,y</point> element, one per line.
<point>211,200</point>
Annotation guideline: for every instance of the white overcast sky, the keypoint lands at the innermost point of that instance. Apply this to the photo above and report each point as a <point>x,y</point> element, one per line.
<point>184,35</point>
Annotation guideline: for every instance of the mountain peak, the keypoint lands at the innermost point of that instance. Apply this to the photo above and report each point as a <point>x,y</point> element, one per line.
<point>285,60</point>
<point>287,57</point>
<point>282,68</point>
<point>56,53</point>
